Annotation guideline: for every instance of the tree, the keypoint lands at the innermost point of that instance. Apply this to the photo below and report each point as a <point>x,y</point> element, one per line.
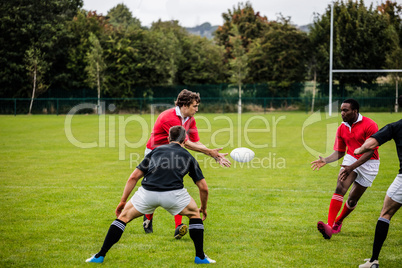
<point>394,61</point>
<point>121,16</point>
<point>362,38</point>
<point>171,39</point>
<point>80,28</point>
<point>96,66</point>
<point>250,27</point>
<point>125,57</point>
<point>279,57</point>
<point>184,59</point>
<point>238,64</point>
<point>393,12</point>
<point>276,51</point>
<point>312,73</point>
<point>27,23</point>
<point>36,67</point>
<point>203,62</point>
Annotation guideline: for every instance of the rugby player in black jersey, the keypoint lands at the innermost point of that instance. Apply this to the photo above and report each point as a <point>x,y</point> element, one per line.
<point>163,170</point>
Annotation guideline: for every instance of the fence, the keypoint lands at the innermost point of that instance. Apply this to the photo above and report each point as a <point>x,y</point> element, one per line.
<point>59,106</point>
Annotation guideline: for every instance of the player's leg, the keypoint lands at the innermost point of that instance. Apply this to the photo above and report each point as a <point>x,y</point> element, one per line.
<point>147,223</point>
<point>355,193</point>
<point>129,213</point>
<point>335,205</point>
<point>115,232</point>
<point>389,209</point>
<point>178,220</point>
<point>392,203</point>
<point>196,229</point>
<point>148,218</point>
<point>191,210</point>
<point>181,229</point>
<point>366,175</point>
<point>341,189</point>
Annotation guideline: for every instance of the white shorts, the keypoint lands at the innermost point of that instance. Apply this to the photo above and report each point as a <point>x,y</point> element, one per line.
<point>395,189</point>
<point>366,173</point>
<point>173,201</point>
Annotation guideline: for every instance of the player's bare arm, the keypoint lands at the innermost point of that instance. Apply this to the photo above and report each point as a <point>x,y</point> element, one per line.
<point>130,184</point>
<point>369,144</point>
<point>348,169</point>
<point>214,153</point>
<point>335,156</point>
<point>203,188</point>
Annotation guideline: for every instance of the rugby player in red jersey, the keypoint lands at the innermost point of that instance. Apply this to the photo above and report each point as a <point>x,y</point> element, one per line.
<point>358,171</point>
<point>187,103</point>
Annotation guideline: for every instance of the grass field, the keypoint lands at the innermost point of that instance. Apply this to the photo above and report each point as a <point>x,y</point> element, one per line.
<point>57,200</point>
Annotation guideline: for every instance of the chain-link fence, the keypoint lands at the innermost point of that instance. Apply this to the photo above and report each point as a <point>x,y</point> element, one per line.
<point>208,105</point>
<point>220,98</point>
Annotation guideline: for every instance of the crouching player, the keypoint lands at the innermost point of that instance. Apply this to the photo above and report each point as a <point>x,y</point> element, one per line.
<point>163,170</point>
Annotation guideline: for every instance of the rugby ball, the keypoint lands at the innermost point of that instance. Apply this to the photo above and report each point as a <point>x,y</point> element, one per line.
<point>242,154</point>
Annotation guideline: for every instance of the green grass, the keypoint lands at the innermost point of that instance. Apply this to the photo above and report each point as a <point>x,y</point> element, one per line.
<point>57,200</point>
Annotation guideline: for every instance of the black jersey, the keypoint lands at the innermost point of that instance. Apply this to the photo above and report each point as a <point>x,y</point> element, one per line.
<point>392,131</point>
<point>165,166</point>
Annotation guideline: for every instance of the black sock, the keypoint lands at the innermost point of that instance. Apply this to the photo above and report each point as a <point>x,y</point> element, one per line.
<point>112,237</point>
<point>381,232</point>
<point>196,230</point>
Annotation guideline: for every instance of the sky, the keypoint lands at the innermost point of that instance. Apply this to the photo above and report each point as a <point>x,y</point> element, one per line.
<point>191,13</point>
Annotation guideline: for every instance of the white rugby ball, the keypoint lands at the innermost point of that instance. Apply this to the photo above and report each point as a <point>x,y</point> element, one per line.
<point>242,154</point>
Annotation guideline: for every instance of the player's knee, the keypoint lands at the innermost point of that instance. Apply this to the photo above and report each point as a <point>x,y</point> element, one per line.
<point>190,214</point>
<point>388,212</point>
<point>352,202</point>
<point>340,189</point>
<point>129,214</point>
<point>194,215</point>
<point>191,211</point>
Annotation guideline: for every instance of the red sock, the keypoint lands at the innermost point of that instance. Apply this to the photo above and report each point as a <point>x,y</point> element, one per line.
<point>177,220</point>
<point>334,207</point>
<point>149,216</point>
<point>345,212</point>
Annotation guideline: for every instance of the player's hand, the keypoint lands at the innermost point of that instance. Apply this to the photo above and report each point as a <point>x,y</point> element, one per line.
<point>214,153</point>
<point>223,161</point>
<point>317,164</point>
<point>120,208</point>
<point>344,173</point>
<point>220,157</point>
<point>204,213</point>
<point>357,151</point>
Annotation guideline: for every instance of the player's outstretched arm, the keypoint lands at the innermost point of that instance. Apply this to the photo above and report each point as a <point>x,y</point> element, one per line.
<point>317,164</point>
<point>130,184</point>
<point>203,188</point>
<point>369,144</point>
<point>214,153</point>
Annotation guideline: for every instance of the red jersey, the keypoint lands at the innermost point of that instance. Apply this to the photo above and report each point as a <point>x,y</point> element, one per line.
<point>354,136</point>
<point>166,120</point>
